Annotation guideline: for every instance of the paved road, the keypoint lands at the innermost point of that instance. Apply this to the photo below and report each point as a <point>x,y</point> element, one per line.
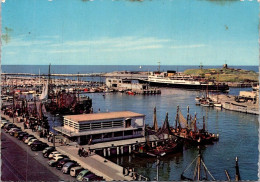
<point>19,163</point>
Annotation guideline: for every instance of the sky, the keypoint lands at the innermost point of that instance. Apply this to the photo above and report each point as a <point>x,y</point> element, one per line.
<point>130,32</point>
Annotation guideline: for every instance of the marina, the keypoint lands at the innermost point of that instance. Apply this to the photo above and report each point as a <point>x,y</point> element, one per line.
<point>133,90</point>
<point>118,153</point>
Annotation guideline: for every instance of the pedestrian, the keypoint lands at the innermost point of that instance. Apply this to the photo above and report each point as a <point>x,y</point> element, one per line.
<point>80,152</point>
<point>24,125</point>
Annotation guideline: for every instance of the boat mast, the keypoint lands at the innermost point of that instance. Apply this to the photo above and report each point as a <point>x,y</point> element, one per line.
<point>155,124</point>
<point>159,66</point>
<point>78,87</point>
<point>204,128</point>
<point>188,115</point>
<point>228,177</point>
<point>195,122</point>
<point>237,177</point>
<point>49,79</point>
<point>177,116</point>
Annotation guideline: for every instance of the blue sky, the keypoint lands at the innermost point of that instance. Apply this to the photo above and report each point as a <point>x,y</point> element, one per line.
<point>122,32</point>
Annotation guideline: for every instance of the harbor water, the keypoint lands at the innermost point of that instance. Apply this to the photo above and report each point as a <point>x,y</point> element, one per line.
<point>238,134</point>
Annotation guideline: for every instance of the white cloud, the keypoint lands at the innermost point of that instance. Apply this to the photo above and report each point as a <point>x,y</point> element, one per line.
<point>107,44</point>
<point>188,46</point>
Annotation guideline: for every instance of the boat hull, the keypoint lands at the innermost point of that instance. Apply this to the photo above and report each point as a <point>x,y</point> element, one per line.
<point>220,88</point>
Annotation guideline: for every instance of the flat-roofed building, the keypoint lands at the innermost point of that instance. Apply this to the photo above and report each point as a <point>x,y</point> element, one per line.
<point>101,127</point>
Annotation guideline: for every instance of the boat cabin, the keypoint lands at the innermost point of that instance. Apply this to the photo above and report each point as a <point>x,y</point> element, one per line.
<point>102,127</point>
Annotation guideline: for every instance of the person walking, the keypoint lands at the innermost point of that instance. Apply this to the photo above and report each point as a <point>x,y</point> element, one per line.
<point>80,152</point>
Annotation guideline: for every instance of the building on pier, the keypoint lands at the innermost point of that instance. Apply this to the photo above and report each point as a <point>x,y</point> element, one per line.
<point>102,127</point>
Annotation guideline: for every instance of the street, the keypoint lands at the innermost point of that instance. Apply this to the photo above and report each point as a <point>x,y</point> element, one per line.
<point>19,163</point>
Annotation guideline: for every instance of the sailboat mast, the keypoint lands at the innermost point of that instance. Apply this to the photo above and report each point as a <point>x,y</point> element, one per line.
<point>237,177</point>
<point>199,164</point>
<point>177,116</point>
<point>49,79</point>
<point>204,128</point>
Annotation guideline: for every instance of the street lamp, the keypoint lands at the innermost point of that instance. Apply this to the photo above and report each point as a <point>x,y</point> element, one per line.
<point>53,121</point>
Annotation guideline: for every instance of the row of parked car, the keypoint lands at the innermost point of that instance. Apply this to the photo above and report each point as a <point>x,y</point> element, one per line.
<point>56,159</point>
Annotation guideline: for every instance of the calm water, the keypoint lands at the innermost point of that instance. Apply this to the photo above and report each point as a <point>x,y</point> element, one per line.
<point>238,134</point>
<point>43,69</point>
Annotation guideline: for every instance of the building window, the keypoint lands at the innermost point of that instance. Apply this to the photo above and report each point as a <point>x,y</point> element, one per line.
<point>127,133</point>
<point>96,137</point>
<point>107,135</point>
<point>95,126</point>
<point>118,124</point>
<point>118,134</point>
<point>107,124</point>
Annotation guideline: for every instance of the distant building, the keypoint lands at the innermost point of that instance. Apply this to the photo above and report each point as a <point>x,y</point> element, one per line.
<point>225,66</point>
<point>249,95</point>
<point>101,127</point>
<point>124,84</point>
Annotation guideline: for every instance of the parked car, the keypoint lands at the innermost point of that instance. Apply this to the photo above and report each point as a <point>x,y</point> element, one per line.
<point>51,155</point>
<point>21,135</point>
<point>54,162</point>
<point>7,127</point>
<point>17,133</point>
<point>38,145</point>
<point>82,174</point>
<point>59,155</point>
<point>13,130</point>
<point>62,162</point>
<point>46,152</point>
<point>3,123</point>
<point>26,136</point>
<point>31,141</point>
<point>89,177</point>
<point>74,171</point>
<point>66,167</point>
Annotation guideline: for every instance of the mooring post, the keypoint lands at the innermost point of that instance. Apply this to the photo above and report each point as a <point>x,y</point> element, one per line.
<point>104,152</point>
<point>117,150</point>
<point>108,152</point>
<point>122,149</point>
<point>129,150</point>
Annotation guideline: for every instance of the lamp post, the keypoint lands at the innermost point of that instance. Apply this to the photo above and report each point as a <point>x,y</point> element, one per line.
<point>53,121</point>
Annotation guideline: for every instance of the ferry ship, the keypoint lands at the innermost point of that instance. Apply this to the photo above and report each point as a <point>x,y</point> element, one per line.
<point>179,80</point>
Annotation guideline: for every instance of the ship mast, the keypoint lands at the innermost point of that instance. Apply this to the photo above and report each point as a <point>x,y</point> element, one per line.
<point>159,66</point>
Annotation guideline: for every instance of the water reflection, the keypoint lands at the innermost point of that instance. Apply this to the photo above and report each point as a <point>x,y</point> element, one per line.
<point>238,134</point>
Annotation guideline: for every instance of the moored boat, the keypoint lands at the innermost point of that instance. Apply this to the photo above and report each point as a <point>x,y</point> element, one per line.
<point>179,80</point>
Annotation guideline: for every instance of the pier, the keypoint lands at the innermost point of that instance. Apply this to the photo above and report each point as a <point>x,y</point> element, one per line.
<point>228,102</point>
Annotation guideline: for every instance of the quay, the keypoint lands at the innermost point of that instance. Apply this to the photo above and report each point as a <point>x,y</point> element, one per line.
<point>229,102</point>
<point>95,163</point>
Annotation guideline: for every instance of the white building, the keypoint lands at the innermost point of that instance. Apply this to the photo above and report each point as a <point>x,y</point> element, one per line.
<point>124,84</point>
<point>101,127</point>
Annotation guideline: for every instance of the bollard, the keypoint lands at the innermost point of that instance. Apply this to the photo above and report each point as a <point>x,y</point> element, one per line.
<point>104,152</point>
<point>129,150</point>
<point>122,149</point>
<point>108,151</point>
<point>152,144</point>
<point>117,150</point>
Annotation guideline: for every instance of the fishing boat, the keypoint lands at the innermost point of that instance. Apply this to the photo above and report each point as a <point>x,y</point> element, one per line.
<point>200,172</point>
<point>189,131</point>
<point>217,105</point>
<point>172,146</point>
<point>166,146</point>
